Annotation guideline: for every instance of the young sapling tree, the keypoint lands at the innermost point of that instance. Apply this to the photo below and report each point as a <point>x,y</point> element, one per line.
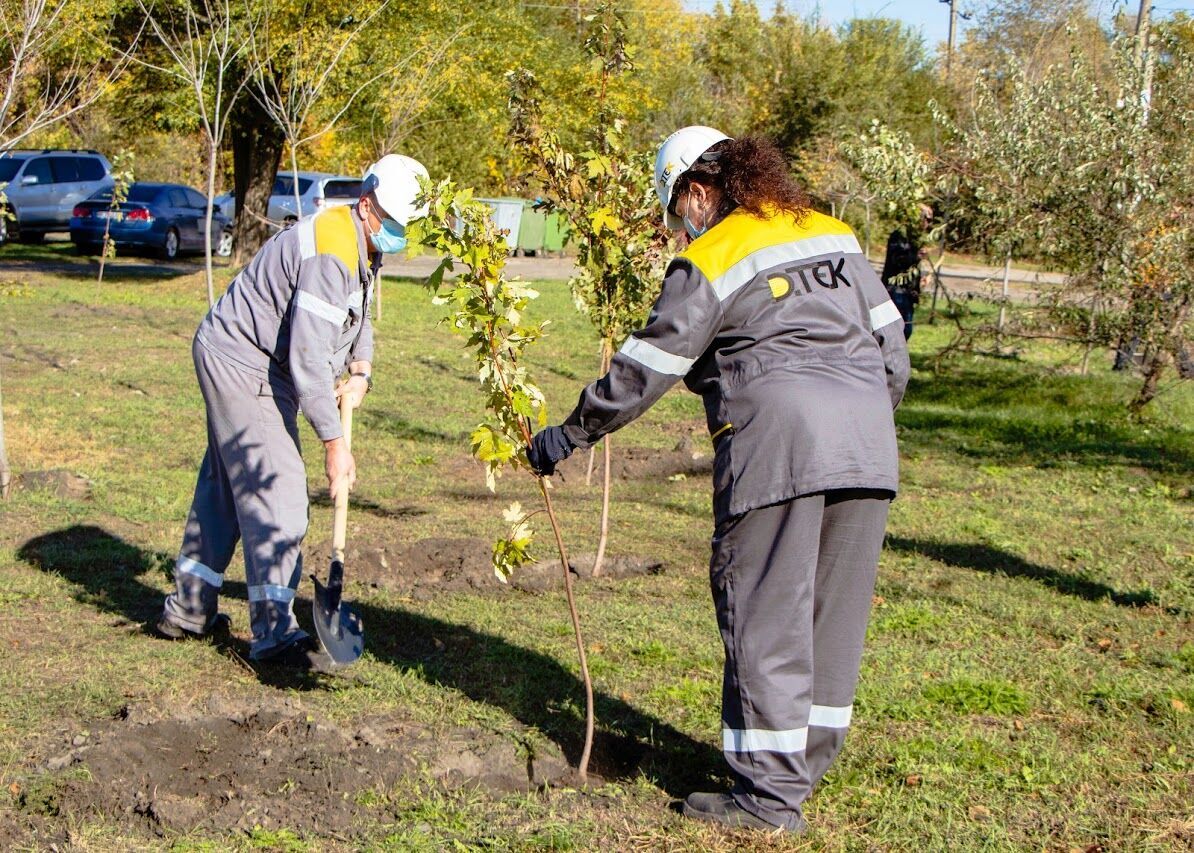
<point>122,179</point>
<point>605,193</point>
<point>488,309</point>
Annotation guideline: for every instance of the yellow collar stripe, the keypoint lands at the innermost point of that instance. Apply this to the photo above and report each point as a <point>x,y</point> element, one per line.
<point>740,235</point>
<point>336,234</point>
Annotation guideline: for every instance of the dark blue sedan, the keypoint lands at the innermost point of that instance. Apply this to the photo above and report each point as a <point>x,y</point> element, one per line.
<point>166,219</point>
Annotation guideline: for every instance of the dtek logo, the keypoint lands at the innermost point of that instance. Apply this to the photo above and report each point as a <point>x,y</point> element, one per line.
<point>825,273</point>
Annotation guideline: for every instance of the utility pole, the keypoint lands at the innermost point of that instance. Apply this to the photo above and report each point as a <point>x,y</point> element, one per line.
<point>953,29</point>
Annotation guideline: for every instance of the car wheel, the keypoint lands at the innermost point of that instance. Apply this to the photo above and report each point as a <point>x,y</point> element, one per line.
<point>33,237</point>
<point>224,247</point>
<point>170,246</point>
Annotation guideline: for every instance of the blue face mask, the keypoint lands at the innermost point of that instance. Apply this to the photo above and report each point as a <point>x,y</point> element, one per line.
<point>693,231</point>
<point>390,239</point>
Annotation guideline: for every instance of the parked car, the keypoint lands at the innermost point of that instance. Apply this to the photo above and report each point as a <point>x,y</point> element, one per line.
<point>164,218</point>
<point>44,186</point>
<point>317,190</point>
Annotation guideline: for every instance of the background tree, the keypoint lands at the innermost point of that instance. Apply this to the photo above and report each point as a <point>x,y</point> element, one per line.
<point>204,41</point>
<point>606,194</point>
<point>295,71</point>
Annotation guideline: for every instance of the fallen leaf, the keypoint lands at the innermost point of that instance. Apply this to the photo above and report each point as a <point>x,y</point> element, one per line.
<point>596,648</point>
<point>878,601</point>
<point>1018,725</point>
<point>1179,705</point>
<point>1103,644</point>
<point>912,781</point>
<point>15,790</point>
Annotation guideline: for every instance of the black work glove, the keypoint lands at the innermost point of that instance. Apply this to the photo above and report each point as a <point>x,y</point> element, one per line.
<point>549,447</point>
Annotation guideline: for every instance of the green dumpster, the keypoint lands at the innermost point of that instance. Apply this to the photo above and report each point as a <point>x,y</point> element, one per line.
<point>555,234</point>
<point>531,230</point>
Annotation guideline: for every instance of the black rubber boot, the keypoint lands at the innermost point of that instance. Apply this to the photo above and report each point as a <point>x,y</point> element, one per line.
<point>217,628</point>
<point>721,808</point>
<point>303,655</point>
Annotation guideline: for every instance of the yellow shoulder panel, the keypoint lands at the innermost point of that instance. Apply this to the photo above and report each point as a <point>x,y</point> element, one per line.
<point>741,234</point>
<point>335,234</point>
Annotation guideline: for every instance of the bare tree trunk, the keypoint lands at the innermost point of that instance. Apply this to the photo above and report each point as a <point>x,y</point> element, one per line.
<point>5,472</point>
<point>212,154</point>
<point>1090,332</point>
<point>1155,366</point>
<point>1007,270</point>
<point>298,202</point>
<point>607,355</point>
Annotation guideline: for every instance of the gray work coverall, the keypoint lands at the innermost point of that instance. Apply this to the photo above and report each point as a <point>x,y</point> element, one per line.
<point>787,333</point>
<point>274,345</point>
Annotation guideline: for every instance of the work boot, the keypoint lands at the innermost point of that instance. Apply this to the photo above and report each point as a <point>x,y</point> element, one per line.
<point>723,809</point>
<point>217,628</point>
<point>303,654</point>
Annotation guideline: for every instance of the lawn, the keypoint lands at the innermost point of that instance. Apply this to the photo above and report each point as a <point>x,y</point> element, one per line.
<point>1027,684</point>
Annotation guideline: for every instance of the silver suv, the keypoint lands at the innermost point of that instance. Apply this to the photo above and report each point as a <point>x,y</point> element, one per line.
<point>43,187</point>
<point>316,190</point>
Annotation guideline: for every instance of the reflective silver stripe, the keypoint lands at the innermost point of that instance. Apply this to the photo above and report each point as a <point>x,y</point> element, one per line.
<point>271,592</point>
<point>763,740</point>
<point>356,299</point>
<point>883,314</point>
<point>653,357</point>
<point>193,567</point>
<point>306,237</point>
<point>319,308</point>
<point>772,256</point>
<point>828,717</point>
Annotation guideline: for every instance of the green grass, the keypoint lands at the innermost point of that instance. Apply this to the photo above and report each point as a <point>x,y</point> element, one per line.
<point>1029,672</point>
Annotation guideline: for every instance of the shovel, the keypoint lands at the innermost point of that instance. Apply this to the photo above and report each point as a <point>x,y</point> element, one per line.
<point>338,625</point>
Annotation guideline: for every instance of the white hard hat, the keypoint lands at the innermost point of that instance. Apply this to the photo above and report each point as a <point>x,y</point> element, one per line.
<point>394,180</point>
<point>677,154</point>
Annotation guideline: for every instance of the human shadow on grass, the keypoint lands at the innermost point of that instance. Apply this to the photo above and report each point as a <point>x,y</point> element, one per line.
<point>532,687</point>
<point>996,561</point>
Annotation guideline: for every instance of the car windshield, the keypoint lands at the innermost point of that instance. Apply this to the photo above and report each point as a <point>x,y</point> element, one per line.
<point>284,185</point>
<point>342,189</point>
<point>140,193</point>
<point>9,167</point>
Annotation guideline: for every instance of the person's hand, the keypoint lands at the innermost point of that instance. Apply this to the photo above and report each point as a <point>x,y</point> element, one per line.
<point>549,447</point>
<point>340,467</point>
<point>353,390</point>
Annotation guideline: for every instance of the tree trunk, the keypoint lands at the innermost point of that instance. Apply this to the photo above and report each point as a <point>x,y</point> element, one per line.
<point>1155,366</point>
<point>298,201</point>
<point>212,154</point>
<point>1007,271</point>
<point>607,355</point>
<point>257,145</point>
<point>5,472</point>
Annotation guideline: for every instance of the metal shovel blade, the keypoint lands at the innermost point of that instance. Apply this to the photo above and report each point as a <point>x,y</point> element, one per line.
<point>338,625</point>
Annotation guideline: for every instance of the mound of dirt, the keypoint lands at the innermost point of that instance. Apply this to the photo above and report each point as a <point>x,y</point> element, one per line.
<point>63,484</point>
<point>277,766</point>
<point>688,457</point>
<point>430,567</point>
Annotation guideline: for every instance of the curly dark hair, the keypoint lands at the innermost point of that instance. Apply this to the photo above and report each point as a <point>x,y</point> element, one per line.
<point>751,173</point>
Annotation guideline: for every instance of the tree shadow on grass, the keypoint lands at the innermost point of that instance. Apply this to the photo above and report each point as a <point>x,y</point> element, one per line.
<point>996,561</point>
<point>1022,413</point>
<point>532,687</point>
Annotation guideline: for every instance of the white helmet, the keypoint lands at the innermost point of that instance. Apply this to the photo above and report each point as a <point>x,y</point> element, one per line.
<point>394,179</point>
<point>677,154</point>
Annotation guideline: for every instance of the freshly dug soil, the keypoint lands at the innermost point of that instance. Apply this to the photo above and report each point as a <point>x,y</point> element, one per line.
<point>690,458</point>
<point>277,766</point>
<point>429,567</point>
<point>63,484</point>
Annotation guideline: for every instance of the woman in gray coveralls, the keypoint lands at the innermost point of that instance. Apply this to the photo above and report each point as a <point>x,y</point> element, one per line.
<point>774,316</point>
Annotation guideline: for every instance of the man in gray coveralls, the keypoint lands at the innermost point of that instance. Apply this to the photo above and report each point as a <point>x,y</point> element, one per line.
<point>290,325</point>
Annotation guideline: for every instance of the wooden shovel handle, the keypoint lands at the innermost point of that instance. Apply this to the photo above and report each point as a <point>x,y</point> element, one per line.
<point>340,524</point>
